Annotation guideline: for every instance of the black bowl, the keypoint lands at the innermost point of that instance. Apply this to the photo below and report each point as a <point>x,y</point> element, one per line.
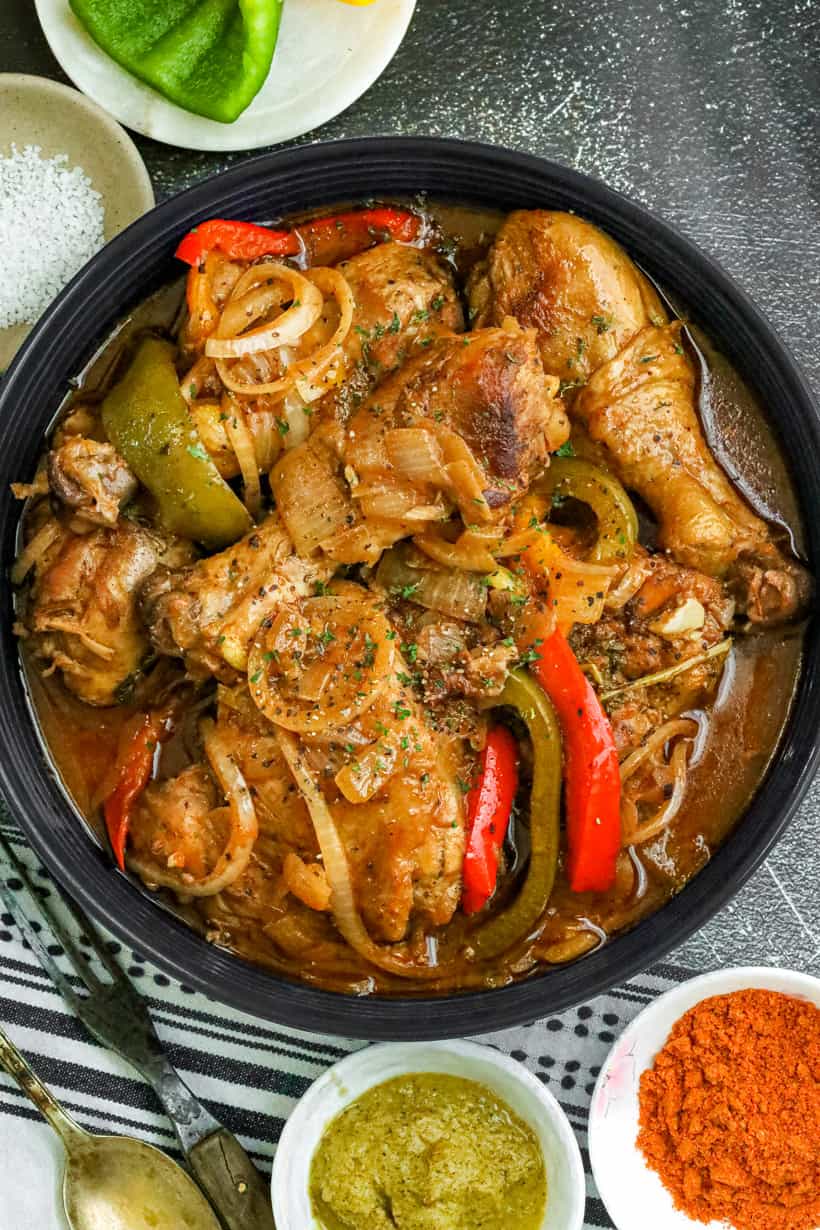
<point>140,260</point>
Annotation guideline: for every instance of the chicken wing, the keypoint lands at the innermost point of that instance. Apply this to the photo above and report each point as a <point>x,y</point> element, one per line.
<point>208,613</point>
<point>558,274</point>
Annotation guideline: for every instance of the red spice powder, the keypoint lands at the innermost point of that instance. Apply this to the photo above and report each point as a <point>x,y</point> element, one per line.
<point>730,1112</point>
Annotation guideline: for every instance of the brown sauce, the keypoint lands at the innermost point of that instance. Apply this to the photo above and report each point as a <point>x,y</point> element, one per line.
<point>748,715</point>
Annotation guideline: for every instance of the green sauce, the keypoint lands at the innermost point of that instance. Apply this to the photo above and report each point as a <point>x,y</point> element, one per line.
<point>428,1152</point>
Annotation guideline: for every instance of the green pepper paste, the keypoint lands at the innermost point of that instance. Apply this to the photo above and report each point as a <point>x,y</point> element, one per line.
<point>428,1152</point>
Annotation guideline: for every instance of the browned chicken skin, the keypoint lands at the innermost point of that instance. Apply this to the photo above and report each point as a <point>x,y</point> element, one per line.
<point>640,409</point>
<point>174,825</point>
<point>603,331</point>
<point>82,612</point>
<point>490,389</point>
<point>91,478</point>
<point>405,845</point>
<point>208,613</point>
<point>562,276</point>
<point>403,296</point>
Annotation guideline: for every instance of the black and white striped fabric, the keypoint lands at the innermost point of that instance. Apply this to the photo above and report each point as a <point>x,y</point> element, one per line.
<point>248,1073</point>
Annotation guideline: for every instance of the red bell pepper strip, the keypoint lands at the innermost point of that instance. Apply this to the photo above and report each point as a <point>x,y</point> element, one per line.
<point>489,805</point>
<point>326,240</point>
<point>135,762</point>
<point>239,240</point>
<point>592,780</point>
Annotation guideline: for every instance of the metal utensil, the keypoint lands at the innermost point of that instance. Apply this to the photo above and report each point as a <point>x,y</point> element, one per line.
<point>117,1016</point>
<point>113,1182</point>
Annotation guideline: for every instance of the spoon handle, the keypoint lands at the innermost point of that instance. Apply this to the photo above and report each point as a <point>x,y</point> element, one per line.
<point>117,1016</point>
<point>18,1068</point>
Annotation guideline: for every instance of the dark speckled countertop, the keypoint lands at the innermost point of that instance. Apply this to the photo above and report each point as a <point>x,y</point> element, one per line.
<point>704,110</point>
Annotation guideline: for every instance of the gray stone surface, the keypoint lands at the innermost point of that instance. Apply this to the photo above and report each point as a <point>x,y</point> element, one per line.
<point>705,111</point>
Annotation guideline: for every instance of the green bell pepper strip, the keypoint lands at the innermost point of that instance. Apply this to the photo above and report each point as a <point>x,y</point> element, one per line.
<point>208,56</point>
<point>515,923</point>
<point>147,421</point>
<point>617,520</point>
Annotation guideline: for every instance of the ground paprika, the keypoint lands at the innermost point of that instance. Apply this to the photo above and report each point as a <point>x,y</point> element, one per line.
<point>730,1112</point>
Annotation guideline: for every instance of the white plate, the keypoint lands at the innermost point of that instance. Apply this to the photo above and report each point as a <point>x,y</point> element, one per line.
<point>346,1081</point>
<point>633,1194</point>
<point>327,55</point>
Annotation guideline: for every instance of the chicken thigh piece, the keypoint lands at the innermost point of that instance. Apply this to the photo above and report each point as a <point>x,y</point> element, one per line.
<point>558,274</point>
<point>81,613</point>
<point>639,409</point>
<point>404,297</point>
<point>208,613</point>
<point>485,392</point>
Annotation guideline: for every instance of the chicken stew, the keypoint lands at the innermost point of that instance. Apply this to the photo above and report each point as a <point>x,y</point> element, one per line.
<point>387,605</point>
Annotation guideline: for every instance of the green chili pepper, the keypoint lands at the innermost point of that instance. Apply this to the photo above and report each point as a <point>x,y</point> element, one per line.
<point>576,478</point>
<point>147,421</point>
<point>208,56</point>
<point>515,922</point>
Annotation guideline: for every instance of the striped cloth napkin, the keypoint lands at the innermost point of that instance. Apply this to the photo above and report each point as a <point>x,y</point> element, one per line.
<point>248,1073</point>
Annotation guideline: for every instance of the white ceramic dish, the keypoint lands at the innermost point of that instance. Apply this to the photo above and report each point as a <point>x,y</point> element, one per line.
<point>353,1076</point>
<point>37,111</point>
<point>328,53</point>
<point>633,1194</point>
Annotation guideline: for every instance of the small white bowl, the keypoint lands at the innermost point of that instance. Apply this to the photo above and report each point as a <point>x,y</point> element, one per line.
<point>634,1195</point>
<point>353,1076</point>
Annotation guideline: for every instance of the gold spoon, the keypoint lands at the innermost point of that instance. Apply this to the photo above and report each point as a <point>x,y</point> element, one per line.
<point>113,1182</point>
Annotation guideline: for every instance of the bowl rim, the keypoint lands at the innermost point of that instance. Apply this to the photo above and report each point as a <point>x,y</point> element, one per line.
<point>652,1026</point>
<point>345,1070</point>
<point>175,948</point>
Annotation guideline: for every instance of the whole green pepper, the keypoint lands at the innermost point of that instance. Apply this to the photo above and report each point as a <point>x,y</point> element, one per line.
<point>579,479</point>
<point>208,56</point>
<point>147,421</point>
<point>514,923</point>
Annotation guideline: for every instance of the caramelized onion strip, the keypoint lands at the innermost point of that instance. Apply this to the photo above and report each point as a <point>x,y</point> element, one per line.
<point>234,859</point>
<point>252,297</point>
<point>635,831</point>
<point>334,859</point>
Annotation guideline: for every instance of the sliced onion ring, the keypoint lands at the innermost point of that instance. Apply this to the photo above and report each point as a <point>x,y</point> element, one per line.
<point>246,304</point>
<point>241,440</point>
<point>236,856</point>
<point>311,374</point>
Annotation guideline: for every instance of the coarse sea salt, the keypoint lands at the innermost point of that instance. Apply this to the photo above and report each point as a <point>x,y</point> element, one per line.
<point>51,223</point>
